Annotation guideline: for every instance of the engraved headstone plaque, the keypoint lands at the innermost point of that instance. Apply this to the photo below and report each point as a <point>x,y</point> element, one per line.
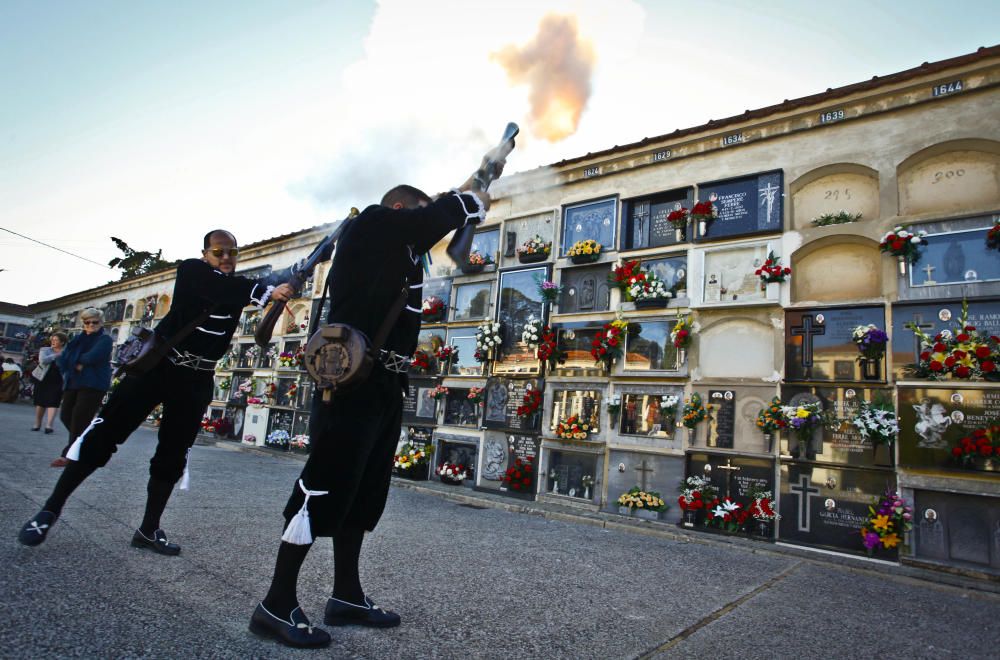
<point>933,420</point>
<point>722,423</point>
<point>745,206</point>
<point>503,397</point>
<point>585,289</point>
<point>816,341</point>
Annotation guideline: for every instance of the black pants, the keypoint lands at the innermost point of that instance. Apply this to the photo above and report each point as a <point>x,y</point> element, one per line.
<point>353,440</point>
<point>78,408</point>
<point>184,393</point>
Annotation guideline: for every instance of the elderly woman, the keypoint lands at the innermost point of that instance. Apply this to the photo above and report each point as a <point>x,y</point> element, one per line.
<point>85,365</point>
<point>49,391</point>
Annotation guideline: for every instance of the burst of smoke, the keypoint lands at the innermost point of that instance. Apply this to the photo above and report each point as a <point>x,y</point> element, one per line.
<point>556,65</point>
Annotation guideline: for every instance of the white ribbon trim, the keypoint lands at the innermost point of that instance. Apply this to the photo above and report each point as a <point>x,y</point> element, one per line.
<point>262,301</point>
<point>481,209</point>
<point>74,451</point>
<point>299,530</point>
<point>211,332</point>
<point>413,309</point>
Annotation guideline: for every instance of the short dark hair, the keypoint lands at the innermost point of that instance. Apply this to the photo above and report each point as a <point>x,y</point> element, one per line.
<point>208,236</point>
<point>406,195</point>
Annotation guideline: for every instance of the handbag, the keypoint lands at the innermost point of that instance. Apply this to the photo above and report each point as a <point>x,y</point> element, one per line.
<point>144,349</point>
<point>338,356</point>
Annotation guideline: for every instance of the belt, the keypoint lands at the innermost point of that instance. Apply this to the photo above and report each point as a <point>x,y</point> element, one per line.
<point>393,361</point>
<point>191,361</point>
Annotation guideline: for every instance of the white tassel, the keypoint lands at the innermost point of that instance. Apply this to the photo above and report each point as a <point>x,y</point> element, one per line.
<point>74,451</point>
<point>186,477</point>
<point>299,530</point>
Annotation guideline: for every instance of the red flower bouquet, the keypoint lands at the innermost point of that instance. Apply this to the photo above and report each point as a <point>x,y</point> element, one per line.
<point>531,403</point>
<point>726,514</point>
<point>420,362</point>
<point>901,242</point>
<point>573,428</point>
<point>964,353</point>
<point>432,309</point>
<point>704,211</point>
<point>678,218</point>
<point>547,350</point>
<point>625,275</point>
<point>982,445</point>
<point>772,271</point>
<point>993,237</point>
<point>521,475</point>
<point>608,344</point>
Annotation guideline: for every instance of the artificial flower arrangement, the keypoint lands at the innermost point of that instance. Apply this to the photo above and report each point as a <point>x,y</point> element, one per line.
<point>488,339</point>
<point>420,361</point>
<point>772,271</point>
<point>250,439</point>
<point>870,340</point>
<point>208,425</point>
<point>695,411</point>
<point>993,236</point>
<point>452,472</point>
<point>889,516</point>
<point>965,353</point>
<point>573,428</point>
<point>246,388</point>
<point>902,243</point>
<point>532,333</point>
<point>607,345</point>
<point>252,353</point>
<point>876,422</point>
<point>683,332</point>
<point>548,350</point>
<point>531,402</point>
<point>271,391</point>
<point>803,419</point>
<point>477,258</point>
<point>223,426</point>
<point>255,401</point>
<point>300,441</point>
<point>623,276</point>
<point>704,211</point>
<point>761,508</point>
<point>839,218</point>
<point>982,443</point>
<point>771,419</point>
<point>549,291</point>
<point>272,353</point>
<point>446,355</point>
<point>696,492</point>
<point>521,475</point>
<point>726,514</point>
<point>432,309</point>
<point>649,288</point>
<point>678,218</point>
<point>668,407</point>
<point>278,439</point>
<point>636,498</point>
<point>477,395</point>
<point>291,392</point>
<point>286,360</point>
<point>410,456</point>
<point>584,248</point>
<point>534,245</point>
<point>439,392</point>
<point>226,383</point>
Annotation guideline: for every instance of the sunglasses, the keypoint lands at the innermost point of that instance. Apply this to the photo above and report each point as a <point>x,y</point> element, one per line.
<point>92,323</point>
<point>218,252</point>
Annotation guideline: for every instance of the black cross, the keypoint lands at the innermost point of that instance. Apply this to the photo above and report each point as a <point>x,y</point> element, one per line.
<point>642,470</point>
<point>729,468</point>
<point>807,331</point>
<point>805,493</point>
<point>918,322</point>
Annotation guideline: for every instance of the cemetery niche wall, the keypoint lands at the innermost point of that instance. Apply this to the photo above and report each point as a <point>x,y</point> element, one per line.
<point>745,206</point>
<point>645,221</point>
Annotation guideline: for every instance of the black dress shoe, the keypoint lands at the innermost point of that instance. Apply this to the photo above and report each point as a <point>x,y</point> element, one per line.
<point>158,544</point>
<point>296,631</point>
<point>47,431</point>
<point>36,529</point>
<point>36,428</point>
<point>341,613</point>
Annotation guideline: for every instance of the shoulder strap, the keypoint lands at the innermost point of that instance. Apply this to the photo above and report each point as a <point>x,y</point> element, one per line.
<point>390,319</point>
<point>186,330</point>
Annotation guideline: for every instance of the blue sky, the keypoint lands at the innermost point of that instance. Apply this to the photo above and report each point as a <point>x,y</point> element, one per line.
<point>154,121</point>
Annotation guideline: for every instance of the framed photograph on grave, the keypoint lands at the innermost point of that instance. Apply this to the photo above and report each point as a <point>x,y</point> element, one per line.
<point>746,205</point>
<point>585,289</point>
<point>472,301</point>
<point>819,342</point>
<point>437,289</point>
<point>728,274</point>
<point>459,410</point>
<point>672,270</point>
<point>591,220</point>
<point>648,346</point>
<point>464,339</point>
<point>418,406</point>
<point>649,414</point>
<point>645,221</point>
<point>574,341</point>
<point>567,471</point>
<point>518,301</point>
<point>932,318</point>
<point>585,403</point>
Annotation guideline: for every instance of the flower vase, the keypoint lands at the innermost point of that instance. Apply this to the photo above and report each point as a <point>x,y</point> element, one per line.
<point>882,454</point>
<point>532,258</point>
<point>586,492</point>
<point>765,529</point>
<point>901,262</point>
<point>584,258</point>
<point>773,290</point>
<point>702,227</point>
<point>472,269</point>
<point>652,303</point>
<point>555,487</point>
<point>871,368</point>
<point>769,439</point>
<point>678,234</point>
<point>450,481</point>
<point>802,449</point>
<point>681,356</point>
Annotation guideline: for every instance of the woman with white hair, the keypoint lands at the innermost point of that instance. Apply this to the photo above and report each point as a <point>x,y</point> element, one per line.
<point>85,365</point>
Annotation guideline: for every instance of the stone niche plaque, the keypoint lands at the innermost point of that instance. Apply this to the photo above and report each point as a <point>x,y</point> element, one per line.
<point>933,420</point>
<point>932,318</point>
<point>591,220</point>
<point>574,341</point>
<point>519,230</point>
<point>566,472</point>
<point>645,221</point>
<point>736,347</point>
<point>818,343</point>
<point>841,443</point>
<point>949,182</point>
<point>841,269</point>
<point>459,410</point>
<point>460,450</point>
<point>585,403</point>
<point>503,397</point>
<point>747,205</point>
<point>417,405</point>
<point>827,506</point>
<point>728,275</point>
<point>585,289</point>
<point>735,476</point>
<point>500,453</point>
<point>651,472</point>
<point>957,529</point>
<point>648,346</point>
<point>955,263</point>
<point>722,422</point>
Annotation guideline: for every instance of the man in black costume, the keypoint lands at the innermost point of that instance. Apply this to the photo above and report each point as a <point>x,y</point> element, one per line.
<point>182,382</point>
<point>343,487</point>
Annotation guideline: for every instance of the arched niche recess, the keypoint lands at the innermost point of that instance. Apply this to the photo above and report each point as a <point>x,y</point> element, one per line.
<point>299,312</point>
<point>162,306</point>
<point>837,269</point>
<point>736,348</point>
<point>833,188</point>
<point>951,177</point>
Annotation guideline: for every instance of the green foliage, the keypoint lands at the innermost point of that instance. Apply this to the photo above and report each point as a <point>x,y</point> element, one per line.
<point>135,263</point>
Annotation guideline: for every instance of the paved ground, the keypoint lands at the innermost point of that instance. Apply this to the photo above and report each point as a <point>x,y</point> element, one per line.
<point>469,580</point>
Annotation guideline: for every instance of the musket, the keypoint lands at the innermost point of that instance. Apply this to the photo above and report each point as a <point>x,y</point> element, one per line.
<point>301,272</point>
<point>461,243</point>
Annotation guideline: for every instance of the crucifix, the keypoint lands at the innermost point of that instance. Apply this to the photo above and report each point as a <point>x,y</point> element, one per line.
<point>807,331</point>
<point>929,269</point>
<point>767,196</point>
<point>805,492</point>
<point>729,468</point>
<point>918,321</point>
<point>642,470</point>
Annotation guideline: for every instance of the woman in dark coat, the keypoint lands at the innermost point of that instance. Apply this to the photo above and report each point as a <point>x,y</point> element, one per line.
<point>49,390</point>
<point>86,370</point>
